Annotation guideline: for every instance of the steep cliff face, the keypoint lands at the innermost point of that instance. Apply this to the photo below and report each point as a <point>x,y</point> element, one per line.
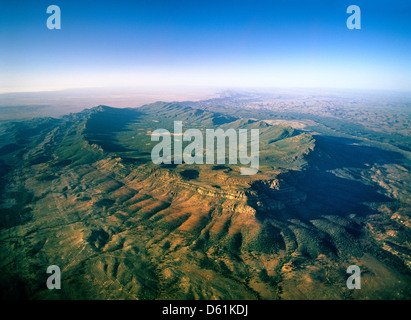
<point>274,195</point>
<point>83,194</point>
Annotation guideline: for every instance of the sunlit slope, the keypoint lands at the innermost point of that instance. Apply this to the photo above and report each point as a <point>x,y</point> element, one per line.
<point>81,192</point>
<point>127,132</point>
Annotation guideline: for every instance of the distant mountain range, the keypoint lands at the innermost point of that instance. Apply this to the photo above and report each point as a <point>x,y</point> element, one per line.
<point>82,193</point>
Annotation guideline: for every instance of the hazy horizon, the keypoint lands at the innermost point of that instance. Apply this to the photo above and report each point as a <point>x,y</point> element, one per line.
<point>26,105</point>
<point>185,150</point>
<point>213,43</point>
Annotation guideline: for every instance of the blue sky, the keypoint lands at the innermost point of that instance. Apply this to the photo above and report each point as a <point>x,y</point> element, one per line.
<point>214,43</point>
